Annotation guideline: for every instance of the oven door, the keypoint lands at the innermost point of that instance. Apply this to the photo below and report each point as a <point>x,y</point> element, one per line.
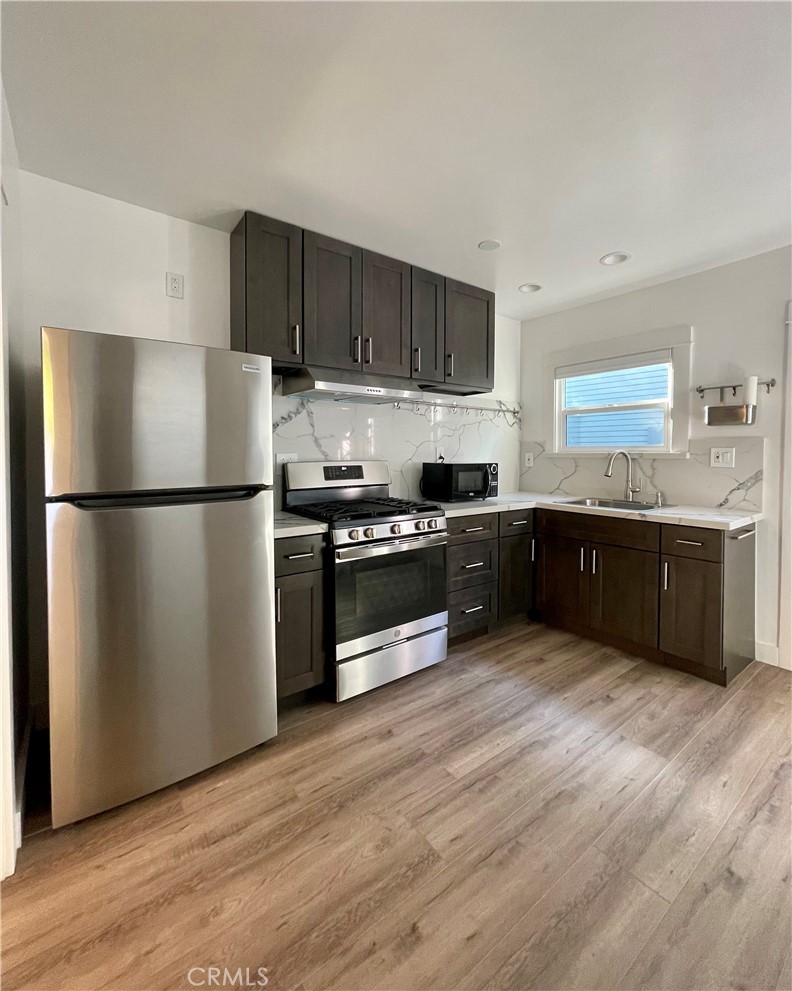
<point>389,592</point>
<point>471,481</point>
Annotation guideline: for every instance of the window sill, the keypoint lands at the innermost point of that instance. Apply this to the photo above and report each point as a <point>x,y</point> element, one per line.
<point>638,455</point>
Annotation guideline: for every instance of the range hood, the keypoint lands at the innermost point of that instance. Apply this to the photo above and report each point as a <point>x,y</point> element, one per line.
<point>352,387</point>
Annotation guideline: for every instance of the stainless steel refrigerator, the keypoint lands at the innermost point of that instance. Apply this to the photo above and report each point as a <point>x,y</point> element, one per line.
<point>159,514</point>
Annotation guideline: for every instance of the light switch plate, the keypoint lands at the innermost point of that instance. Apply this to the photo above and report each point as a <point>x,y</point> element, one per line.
<point>721,457</point>
<point>528,461</point>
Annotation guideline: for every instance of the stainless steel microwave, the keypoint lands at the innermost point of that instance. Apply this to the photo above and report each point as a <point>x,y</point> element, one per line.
<point>447,482</point>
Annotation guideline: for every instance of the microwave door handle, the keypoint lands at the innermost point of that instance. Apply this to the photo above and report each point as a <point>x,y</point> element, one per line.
<point>487,481</point>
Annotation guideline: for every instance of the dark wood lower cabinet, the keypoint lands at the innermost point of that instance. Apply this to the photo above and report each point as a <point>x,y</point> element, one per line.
<point>691,610</point>
<point>515,586</point>
<point>623,601</point>
<point>299,632</point>
<point>566,581</point>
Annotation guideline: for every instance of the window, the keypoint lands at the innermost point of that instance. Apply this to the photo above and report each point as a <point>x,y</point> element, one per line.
<point>621,402</point>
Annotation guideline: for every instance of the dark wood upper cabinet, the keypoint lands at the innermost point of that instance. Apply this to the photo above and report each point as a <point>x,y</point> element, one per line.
<point>332,302</point>
<point>691,609</point>
<point>299,632</point>
<point>386,315</point>
<point>515,589</point>
<point>266,288</point>
<point>566,581</point>
<point>428,326</point>
<point>469,336</point>
<point>624,586</point>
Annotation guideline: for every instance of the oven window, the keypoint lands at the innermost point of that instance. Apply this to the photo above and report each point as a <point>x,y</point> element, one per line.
<point>378,593</point>
<point>470,481</point>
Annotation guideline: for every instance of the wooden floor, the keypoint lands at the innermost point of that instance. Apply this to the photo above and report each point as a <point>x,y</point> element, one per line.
<point>536,812</point>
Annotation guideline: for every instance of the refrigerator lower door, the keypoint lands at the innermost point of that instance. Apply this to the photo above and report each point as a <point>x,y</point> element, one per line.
<point>161,645</point>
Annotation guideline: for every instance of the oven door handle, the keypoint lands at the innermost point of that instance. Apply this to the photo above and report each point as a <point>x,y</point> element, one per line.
<point>389,547</point>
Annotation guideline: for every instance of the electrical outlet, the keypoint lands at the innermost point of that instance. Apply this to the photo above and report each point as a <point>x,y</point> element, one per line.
<point>527,460</point>
<point>285,459</point>
<point>439,453</point>
<point>174,285</point>
<point>721,457</point>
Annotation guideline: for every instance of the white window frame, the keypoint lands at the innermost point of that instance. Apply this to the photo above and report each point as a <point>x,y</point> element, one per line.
<point>664,356</point>
<point>677,339</point>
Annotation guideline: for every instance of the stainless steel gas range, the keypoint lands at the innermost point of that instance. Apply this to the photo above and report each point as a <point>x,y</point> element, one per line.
<point>390,610</point>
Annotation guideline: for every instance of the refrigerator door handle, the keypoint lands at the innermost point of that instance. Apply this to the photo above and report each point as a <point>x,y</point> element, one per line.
<point>190,498</point>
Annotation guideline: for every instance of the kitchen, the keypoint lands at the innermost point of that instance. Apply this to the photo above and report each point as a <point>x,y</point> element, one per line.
<point>543,682</point>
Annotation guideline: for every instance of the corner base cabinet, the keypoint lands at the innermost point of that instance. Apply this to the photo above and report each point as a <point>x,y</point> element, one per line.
<point>683,596</point>
<point>300,654</point>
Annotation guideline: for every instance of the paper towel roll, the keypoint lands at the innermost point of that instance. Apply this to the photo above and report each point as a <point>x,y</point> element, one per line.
<point>749,390</point>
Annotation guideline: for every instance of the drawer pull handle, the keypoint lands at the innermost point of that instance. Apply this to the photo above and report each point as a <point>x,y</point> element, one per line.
<point>665,577</point>
<point>297,557</point>
<point>474,609</point>
<point>476,564</point>
<point>742,536</point>
<point>473,529</point>
<point>518,523</point>
<point>691,543</point>
<point>277,605</point>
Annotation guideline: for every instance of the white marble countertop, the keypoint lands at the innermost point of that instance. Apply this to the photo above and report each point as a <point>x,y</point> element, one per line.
<point>713,519</point>
<point>289,525</point>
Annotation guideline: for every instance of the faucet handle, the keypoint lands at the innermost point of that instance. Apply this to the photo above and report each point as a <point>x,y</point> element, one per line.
<point>659,501</point>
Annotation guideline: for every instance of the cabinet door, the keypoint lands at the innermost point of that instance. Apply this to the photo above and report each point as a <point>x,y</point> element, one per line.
<point>332,282</point>
<point>691,610</point>
<point>386,315</point>
<point>515,590</point>
<point>566,581</point>
<point>299,632</point>
<point>469,335</point>
<point>273,290</point>
<point>428,326</point>
<point>624,585</point>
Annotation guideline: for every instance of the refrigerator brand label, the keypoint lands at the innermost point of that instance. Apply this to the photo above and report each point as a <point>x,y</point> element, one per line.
<point>251,368</point>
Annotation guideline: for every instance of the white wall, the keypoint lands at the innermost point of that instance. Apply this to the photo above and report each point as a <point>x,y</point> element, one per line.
<point>737,312</point>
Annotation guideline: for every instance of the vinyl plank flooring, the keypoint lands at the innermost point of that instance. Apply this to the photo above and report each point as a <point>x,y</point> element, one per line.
<point>664,834</point>
<point>583,933</point>
<point>723,930</point>
<point>518,816</point>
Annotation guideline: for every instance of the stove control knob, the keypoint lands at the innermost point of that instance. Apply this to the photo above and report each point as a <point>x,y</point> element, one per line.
<point>433,524</point>
<point>396,528</point>
<point>354,534</point>
<point>420,525</point>
<point>369,532</point>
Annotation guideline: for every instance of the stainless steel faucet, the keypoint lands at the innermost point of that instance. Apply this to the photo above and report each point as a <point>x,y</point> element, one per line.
<point>629,489</point>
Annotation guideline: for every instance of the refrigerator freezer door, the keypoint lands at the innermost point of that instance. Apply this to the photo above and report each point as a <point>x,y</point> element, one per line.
<point>122,414</point>
<point>161,645</point>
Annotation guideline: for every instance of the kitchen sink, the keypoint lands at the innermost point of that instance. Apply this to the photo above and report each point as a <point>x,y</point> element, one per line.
<point>641,507</point>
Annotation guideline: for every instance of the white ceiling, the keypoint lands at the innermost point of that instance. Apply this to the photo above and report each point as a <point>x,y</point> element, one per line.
<point>565,130</point>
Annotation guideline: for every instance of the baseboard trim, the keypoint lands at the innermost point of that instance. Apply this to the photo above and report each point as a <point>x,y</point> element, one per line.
<point>767,653</point>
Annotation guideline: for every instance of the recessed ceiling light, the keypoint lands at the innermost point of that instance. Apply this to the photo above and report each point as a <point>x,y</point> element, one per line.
<point>614,258</point>
<point>529,287</point>
<point>489,245</point>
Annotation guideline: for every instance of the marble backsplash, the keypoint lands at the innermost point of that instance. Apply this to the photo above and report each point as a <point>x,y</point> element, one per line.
<point>683,481</point>
<point>405,435</point>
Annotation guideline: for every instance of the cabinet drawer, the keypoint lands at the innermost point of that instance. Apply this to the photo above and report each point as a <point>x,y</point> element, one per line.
<point>476,526</point>
<point>472,564</point>
<point>472,608</point>
<point>295,555</point>
<point>603,529</point>
<point>515,522</point>
<point>690,541</point>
